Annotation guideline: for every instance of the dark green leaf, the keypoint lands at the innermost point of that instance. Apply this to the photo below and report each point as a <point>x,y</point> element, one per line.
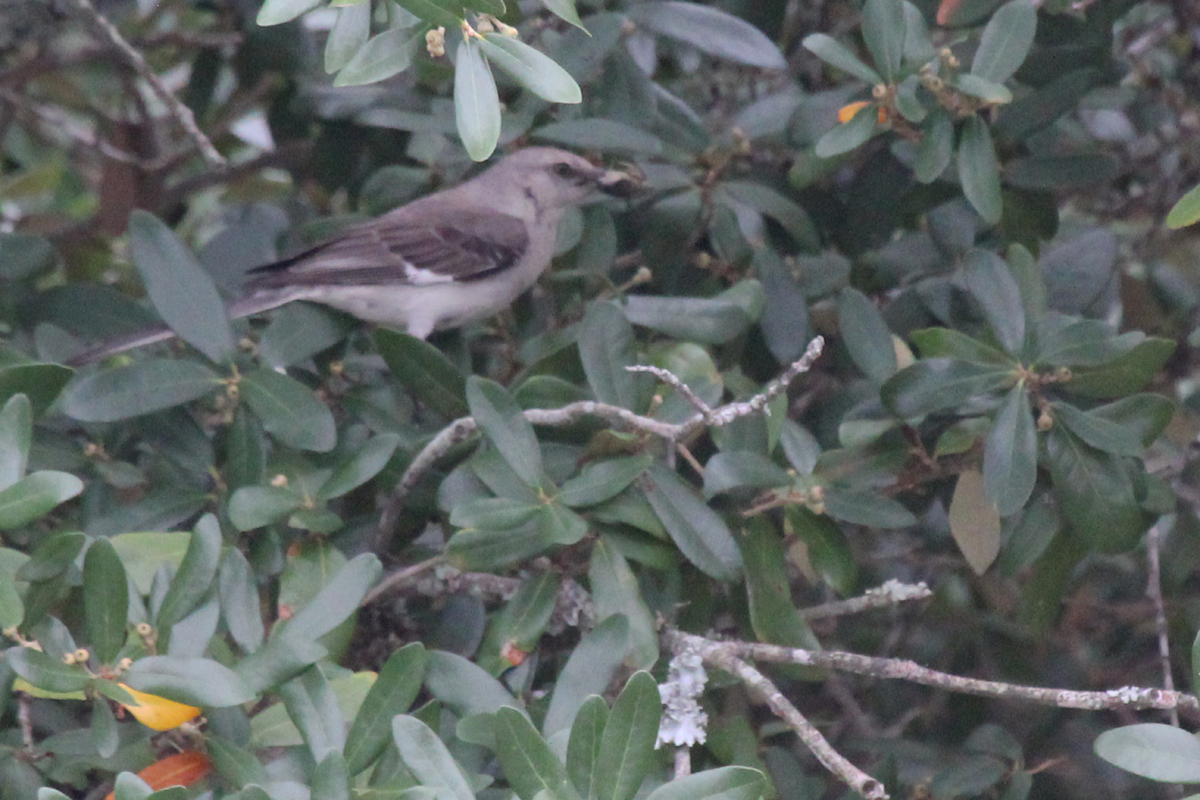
<point>52,557</point>
<point>194,577</point>
<point>480,549</point>
<point>281,659</point>
<point>521,622</point>
<point>428,759</point>
<point>723,783</point>
<point>934,384</point>
<point>847,136</point>
<point>1010,456</point>
<point>289,410</point>
<point>1096,493</point>
<point>531,68</point>
<point>995,289</point>
<point>361,467</point>
<point>23,254</point>
<point>565,9</point>
<point>253,507</point>
<point>425,371</point>
<point>615,590</point>
<point>560,525</point>
<point>588,671</point>
<point>713,320</point>
<point>1029,280</point>
<point>493,513</point>
<point>627,746</point>
<point>41,383</point>
<point>297,332</point>
<point>784,320</point>
<point>948,343</point>
<point>194,681</point>
<point>47,672</point>
<point>863,507</point>
<point>105,600</point>
<point>382,56</point>
<point>445,13</point>
<point>16,434</point>
<point>1060,173</point>
<point>476,104</point>
<point>331,779</point>
<point>240,606</point>
<point>741,469</point>
<point>698,531</point>
<point>975,86</point>
<point>583,747</point>
<point>104,728</point>
<point>1147,415</point>
<point>883,32</point>
<point>832,52</point>
<point>600,134</point>
<point>338,599</point>
<point>1099,432</point>
<point>1005,41</point>
<point>773,615</point>
<point>528,763</point>
<point>1123,375</point>
<point>866,335</point>
<point>181,291</point>
<point>35,496</point>
<point>313,708</point>
<point>606,347</point>
<point>464,687</point>
<point>935,148</point>
<point>978,169</point>
<point>787,212</point>
<point>711,30</point>
<point>135,389</point>
<point>828,549</point>
<point>1159,752</point>
<point>603,480</point>
<point>503,422</point>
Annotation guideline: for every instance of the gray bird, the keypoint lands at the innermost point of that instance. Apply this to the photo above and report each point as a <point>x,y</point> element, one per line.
<point>438,262</point>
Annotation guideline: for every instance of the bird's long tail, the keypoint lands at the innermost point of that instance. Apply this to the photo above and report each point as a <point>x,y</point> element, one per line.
<point>243,307</point>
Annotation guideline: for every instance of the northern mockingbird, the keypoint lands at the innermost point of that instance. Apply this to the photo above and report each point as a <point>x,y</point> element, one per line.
<point>438,262</point>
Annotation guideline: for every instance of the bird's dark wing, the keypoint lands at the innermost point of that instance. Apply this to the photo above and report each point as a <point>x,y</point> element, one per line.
<point>437,246</point>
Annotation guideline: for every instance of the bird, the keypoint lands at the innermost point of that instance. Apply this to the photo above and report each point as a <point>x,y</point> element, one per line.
<point>438,262</point>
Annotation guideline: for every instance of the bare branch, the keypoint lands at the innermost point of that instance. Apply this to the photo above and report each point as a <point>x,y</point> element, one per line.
<point>889,594</point>
<point>669,378</point>
<point>182,114</point>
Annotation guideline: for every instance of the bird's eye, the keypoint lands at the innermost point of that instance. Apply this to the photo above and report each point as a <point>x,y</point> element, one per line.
<point>564,170</point>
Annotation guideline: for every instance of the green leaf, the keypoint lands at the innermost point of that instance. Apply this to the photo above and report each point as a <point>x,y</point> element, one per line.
<point>446,13</point>
<point>528,763</point>
<point>600,134</point>
<point>1159,752</point>
<point>723,783</point>
<point>1147,415</point>
<point>847,136</point>
<point>289,410</point>
<point>788,213</point>
<point>1186,211</point>
<point>425,371</point>
<point>1123,375</point>
<point>935,148</point>
<point>338,599</point>
<point>237,764</point>
<point>866,335</point>
<point>258,506</point>
<point>351,30</point>
<point>864,507</point>
<point>1029,280</point>
<point>988,92</point>
<point>194,681</point>
<point>311,705</point>
<point>583,747</point>
<point>949,343</point>
<point>504,424</point>
<point>710,30</point>
<point>47,672</point>
<point>104,732</point>
<point>935,384</point>
<point>1010,455</point>
<point>41,383</point>
<point>1099,432</point>
<point>978,169</point>
<point>1005,41</point>
<point>1096,493</point>
<point>565,10</point>
<point>603,480</point>
<point>606,346</point>
<point>276,12</point>
<point>135,389</point>
<point>35,496</point>
<point>832,52</point>
<point>784,322</point>
<point>521,622</point>
<point>193,579</point>
<point>531,68</point>
<point>362,466</point>
<point>698,531</point>
<point>239,600</point>
<point>428,759</point>
<point>385,54</point>
<point>181,291</point>
<point>714,320</point>
<point>615,590</point>
<point>105,600</point>
<point>493,513</point>
<point>560,525</point>
<point>476,104</point>
<point>24,254</point>
<point>773,615</point>
<point>627,746</point>
<point>331,779</point>
<point>992,284</point>
<point>740,469</point>
<point>16,434</point>
<point>883,32</point>
<point>1049,173</point>
<point>52,557</point>
<point>484,549</point>
<point>588,671</point>
<point>463,686</point>
<point>828,549</point>
<point>281,659</point>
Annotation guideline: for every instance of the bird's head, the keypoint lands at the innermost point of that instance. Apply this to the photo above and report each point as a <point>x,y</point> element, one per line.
<point>559,178</point>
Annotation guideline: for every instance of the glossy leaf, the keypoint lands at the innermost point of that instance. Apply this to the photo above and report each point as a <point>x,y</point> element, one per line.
<point>935,384</point>
<point>773,614</point>
<point>135,389</point>
<point>949,343</point>
<point>253,507</point>
<point>862,507</point>
<point>738,469</point>
<point>463,686</point>
<point>560,525</point>
<point>1147,415</point>
<point>1005,41</point>
<point>280,659</point>
<point>710,30</point>
<point>182,292</point>
<point>834,53</point>
<point>866,335</point>
<point>698,531</point>
<point>289,410</point>
<point>1010,455</point>
<point>239,599</point>
<point>1123,375</point>
<point>606,347</point>
<point>425,371</point>
<point>531,68</point>
<point>503,422</point>
<point>45,671</point>
<point>935,148</point>
<point>979,170</point>
<point>521,622</point>
<point>428,759</point>
<point>476,104</point>
<point>105,600</point>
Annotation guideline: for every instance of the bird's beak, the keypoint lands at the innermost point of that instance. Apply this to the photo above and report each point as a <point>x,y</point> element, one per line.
<point>618,184</point>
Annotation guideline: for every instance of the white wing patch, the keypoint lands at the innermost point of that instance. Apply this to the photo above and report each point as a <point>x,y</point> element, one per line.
<point>423,277</point>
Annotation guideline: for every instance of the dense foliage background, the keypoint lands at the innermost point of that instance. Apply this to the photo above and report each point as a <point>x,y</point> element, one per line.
<point>966,201</point>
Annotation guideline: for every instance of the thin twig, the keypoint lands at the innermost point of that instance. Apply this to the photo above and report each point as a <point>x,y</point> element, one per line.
<point>1154,592</point>
<point>400,577</point>
<point>683,761</point>
<point>669,378</point>
<point>889,594</point>
<point>182,114</point>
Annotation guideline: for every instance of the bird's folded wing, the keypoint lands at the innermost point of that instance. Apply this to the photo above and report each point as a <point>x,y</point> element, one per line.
<point>435,247</point>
